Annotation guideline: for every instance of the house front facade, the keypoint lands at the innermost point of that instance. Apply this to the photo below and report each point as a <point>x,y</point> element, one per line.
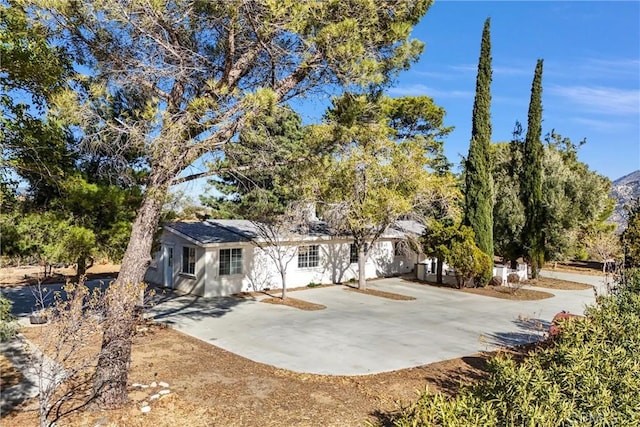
<point>224,257</point>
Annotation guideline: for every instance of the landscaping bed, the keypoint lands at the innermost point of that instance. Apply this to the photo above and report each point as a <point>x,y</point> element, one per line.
<point>550,283</point>
<point>295,303</point>
<point>502,292</point>
<point>381,294</point>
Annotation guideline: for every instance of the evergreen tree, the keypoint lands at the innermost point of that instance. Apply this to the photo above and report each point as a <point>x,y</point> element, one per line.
<point>478,192</point>
<point>631,236</point>
<point>531,183</point>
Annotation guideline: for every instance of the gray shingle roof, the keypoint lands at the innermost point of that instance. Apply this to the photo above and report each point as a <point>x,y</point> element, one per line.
<point>236,230</point>
<point>208,232</point>
<point>409,226</point>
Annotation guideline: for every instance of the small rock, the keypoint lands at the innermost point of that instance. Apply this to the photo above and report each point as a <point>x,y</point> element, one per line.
<point>163,384</point>
<point>145,403</point>
<point>165,391</point>
<point>145,409</point>
<point>153,384</point>
<point>154,397</point>
<point>136,385</point>
<point>102,422</point>
<point>144,386</point>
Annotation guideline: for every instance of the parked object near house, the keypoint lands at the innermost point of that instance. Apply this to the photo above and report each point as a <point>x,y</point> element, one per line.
<point>556,323</point>
<point>220,257</point>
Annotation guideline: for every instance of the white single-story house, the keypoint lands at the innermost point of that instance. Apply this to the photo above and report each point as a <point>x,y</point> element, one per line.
<point>221,257</point>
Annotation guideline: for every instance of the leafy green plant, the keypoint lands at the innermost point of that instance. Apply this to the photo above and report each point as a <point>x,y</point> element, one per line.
<point>8,325</point>
<point>588,375</point>
<point>313,284</point>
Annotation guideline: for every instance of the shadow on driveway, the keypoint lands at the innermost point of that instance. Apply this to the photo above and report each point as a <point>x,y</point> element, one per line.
<point>529,331</point>
<point>170,307</point>
<point>25,298</point>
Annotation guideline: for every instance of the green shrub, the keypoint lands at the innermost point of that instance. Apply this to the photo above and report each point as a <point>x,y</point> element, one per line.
<point>313,284</point>
<point>8,325</point>
<point>588,376</point>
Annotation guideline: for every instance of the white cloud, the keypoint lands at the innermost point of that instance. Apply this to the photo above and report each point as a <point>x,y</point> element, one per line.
<point>599,125</point>
<point>513,71</point>
<point>504,70</point>
<point>420,89</point>
<point>600,99</point>
<point>464,68</point>
<point>596,67</point>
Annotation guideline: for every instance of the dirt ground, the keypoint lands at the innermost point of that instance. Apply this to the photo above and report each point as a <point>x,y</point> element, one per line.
<point>580,267</point>
<point>212,387</point>
<point>550,283</point>
<point>19,276</point>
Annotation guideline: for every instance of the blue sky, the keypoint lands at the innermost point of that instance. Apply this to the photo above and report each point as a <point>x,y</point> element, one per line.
<point>591,80</point>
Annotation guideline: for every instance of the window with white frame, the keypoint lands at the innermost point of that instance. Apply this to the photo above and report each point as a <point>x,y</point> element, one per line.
<point>188,260</point>
<point>230,261</point>
<point>308,256</point>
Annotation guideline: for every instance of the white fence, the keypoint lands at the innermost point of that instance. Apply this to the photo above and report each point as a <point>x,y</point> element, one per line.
<point>426,270</point>
<point>503,272</point>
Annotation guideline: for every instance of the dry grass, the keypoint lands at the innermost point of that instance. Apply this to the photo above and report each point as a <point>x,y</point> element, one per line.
<point>592,268</point>
<point>382,294</point>
<point>212,387</point>
<point>295,303</point>
<point>549,283</point>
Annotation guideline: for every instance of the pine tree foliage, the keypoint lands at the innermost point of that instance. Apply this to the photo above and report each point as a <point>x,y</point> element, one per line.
<point>531,184</point>
<point>478,192</point>
<point>388,164</point>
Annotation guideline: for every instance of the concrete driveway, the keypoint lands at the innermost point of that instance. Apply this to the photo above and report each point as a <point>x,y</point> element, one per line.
<point>362,334</point>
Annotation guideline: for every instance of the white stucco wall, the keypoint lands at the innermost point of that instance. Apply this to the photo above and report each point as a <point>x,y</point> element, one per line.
<point>260,271</point>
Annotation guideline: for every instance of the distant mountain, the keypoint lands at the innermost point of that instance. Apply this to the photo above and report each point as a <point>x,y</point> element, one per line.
<point>624,190</point>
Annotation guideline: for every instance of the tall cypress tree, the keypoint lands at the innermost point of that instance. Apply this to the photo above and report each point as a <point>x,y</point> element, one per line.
<point>478,193</point>
<point>531,179</point>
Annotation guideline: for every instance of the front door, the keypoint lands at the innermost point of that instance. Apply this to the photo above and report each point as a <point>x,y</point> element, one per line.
<point>168,266</point>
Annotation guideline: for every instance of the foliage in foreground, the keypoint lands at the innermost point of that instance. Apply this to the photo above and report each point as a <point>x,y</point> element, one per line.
<point>589,376</point>
<point>8,325</point>
<point>65,353</point>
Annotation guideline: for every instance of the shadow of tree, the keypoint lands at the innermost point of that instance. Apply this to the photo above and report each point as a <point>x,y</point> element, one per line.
<point>531,330</point>
<point>170,306</point>
<point>25,299</point>
<point>448,381</point>
<point>385,419</point>
<point>12,397</point>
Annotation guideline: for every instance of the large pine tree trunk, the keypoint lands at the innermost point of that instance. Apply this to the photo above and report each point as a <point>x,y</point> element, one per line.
<point>439,270</point>
<point>110,385</point>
